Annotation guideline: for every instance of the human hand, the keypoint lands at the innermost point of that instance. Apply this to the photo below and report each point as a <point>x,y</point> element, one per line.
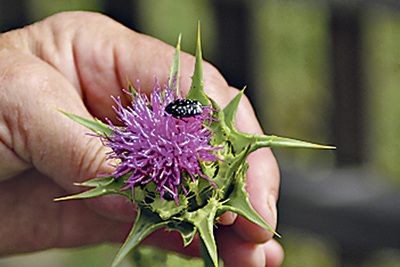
<point>74,61</point>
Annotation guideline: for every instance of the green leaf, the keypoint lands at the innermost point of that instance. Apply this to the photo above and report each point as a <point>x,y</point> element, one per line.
<point>203,219</point>
<point>101,181</point>
<point>196,91</point>
<point>276,141</point>
<point>131,88</point>
<point>187,230</point>
<point>239,203</point>
<point>231,168</point>
<point>231,109</point>
<point>96,126</point>
<point>208,262</point>
<point>218,126</point>
<point>167,208</point>
<point>146,222</point>
<point>103,186</point>
<point>174,72</point>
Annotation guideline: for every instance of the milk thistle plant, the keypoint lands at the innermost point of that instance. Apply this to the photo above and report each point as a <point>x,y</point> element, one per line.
<point>180,159</point>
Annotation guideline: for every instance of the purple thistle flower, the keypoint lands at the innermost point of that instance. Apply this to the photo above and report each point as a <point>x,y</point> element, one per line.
<point>152,145</point>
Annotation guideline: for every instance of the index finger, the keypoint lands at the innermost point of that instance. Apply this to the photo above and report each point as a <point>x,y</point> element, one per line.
<point>97,60</point>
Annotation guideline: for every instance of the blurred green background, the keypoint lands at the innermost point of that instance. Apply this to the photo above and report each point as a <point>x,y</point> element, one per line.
<point>291,91</point>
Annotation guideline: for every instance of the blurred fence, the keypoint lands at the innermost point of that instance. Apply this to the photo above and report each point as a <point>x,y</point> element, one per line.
<point>340,89</point>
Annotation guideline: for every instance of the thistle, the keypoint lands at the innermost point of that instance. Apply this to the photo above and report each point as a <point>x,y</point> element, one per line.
<point>153,146</point>
<point>180,160</point>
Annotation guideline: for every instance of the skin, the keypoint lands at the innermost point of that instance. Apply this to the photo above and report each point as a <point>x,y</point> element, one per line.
<point>74,61</point>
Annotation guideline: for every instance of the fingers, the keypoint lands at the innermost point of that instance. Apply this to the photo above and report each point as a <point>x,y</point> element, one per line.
<point>32,221</point>
<point>97,60</point>
<point>235,251</point>
<point>41,136</point>
<point>228,218</point>
<point>274,253</point>
<point>172,241</point>
<point>35,86</point>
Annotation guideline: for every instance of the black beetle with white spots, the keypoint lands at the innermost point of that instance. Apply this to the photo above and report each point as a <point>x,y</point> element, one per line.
<point>184,108</point>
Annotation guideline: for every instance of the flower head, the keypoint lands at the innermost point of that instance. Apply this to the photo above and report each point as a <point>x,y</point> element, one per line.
<point>154,146</point>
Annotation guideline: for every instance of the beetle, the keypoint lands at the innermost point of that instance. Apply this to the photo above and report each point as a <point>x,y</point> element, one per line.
<point>184,108</point>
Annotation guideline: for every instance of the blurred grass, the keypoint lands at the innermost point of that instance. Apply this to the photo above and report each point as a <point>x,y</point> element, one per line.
<point>293,45</point>
<point>292,80</point>
<point>307,249</point>
<point>167,19</point>
<point>99,256</point>
<point>95,256</point>
<point>39,9</point>
<point>382,55</point>
<point>149,256</point>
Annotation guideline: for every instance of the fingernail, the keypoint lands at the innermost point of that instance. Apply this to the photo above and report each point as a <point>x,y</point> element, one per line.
<point>227,218</point>
<point>261,256</point>
<point>232,217</point>
<point>272,206</point>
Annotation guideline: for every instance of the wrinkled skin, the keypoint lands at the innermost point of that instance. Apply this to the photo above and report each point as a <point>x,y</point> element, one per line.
<point>74,61</point>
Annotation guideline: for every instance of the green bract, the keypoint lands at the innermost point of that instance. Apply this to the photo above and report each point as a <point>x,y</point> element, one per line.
<point>198,210</point>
